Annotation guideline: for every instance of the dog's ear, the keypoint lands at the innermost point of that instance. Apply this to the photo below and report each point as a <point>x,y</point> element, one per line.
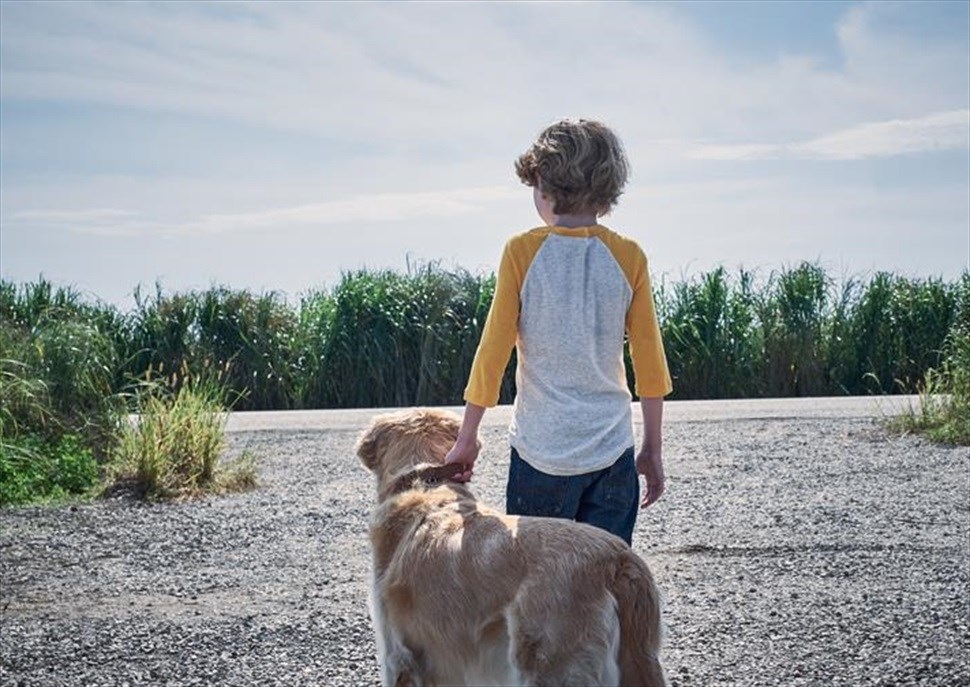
<point>369,445</point>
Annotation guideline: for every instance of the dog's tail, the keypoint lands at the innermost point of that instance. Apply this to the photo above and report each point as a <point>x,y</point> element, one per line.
<point>638,606</point>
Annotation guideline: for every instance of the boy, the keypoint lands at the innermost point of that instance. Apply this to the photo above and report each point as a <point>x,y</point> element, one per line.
<point>565,295</point>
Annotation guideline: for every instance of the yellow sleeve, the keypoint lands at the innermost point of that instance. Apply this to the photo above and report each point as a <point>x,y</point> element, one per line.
<point>643,331</point>
<point>502,324</point>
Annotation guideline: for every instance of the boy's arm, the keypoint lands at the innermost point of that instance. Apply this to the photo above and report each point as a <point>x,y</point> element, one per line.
<point>650,462</point>
<point>492,356</point>
<point>499,332</point>
<point>643,331</point>
<point>652,379</point>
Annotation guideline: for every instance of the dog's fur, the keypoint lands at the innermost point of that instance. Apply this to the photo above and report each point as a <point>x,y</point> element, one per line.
<point>464,595</point>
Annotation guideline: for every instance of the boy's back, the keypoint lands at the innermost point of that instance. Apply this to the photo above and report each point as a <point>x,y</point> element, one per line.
<point>569,298</point>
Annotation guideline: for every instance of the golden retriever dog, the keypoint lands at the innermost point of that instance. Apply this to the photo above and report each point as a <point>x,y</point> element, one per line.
<point>464,595</point>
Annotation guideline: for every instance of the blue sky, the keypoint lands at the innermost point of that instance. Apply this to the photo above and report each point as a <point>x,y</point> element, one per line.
<point>272,146</point>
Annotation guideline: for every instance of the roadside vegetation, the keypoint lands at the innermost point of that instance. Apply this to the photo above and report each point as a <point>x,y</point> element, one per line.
<point>66,392</point>
<point>73,368</point>
<point>943,411</point>
<point>57,406</point>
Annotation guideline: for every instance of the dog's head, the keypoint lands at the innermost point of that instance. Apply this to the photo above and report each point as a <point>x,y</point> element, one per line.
<point>396,442</point>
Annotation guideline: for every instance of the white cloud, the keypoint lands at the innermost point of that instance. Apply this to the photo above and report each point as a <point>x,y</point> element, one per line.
<point>81,216</point>
<point>367,209</point>
<point>96,221</point>
<point>900,70</point>
<point>936,132</point>
<point>377,208</point>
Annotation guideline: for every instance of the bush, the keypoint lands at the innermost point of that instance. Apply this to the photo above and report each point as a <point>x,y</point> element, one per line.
<point>65,375</point>
<point>59,366</point>
<point>57,409</point>
<point>35,469</point>
<point>944,407</point>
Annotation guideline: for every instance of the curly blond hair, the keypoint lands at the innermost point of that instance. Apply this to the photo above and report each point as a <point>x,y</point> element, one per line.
<point>579,164</point>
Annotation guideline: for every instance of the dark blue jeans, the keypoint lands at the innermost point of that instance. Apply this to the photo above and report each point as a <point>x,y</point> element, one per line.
<point>608,498</point>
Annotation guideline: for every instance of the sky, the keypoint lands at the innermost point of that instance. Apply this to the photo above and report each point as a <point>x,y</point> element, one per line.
<point>276,146</point>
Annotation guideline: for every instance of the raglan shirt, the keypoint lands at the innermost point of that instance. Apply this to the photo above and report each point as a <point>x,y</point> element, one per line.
<point>565,297</point>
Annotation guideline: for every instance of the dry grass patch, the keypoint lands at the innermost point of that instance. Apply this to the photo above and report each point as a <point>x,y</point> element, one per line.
<point>174,448</point>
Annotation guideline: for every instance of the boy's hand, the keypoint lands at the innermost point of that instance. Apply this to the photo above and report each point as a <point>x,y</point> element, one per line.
<point>650,464</point>
<point>465,452</point>
<point>467,445</point>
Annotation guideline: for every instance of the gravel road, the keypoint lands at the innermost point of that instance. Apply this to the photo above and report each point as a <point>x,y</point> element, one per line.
<point>792,548</point>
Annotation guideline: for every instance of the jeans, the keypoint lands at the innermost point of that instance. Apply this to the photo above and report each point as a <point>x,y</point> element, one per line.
<point>608,498</point>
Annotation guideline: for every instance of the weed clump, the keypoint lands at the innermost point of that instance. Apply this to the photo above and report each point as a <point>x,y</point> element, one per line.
<point>172,448</point>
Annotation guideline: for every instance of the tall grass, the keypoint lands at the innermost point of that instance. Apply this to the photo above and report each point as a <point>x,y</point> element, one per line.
<point>384,338</point>
<point>70,367</point>
<point>711,335</point>
<point>252,338</point>
<point>898,329</point>
<point>398,339</point>
<point>312,386</point>
<point>59,363</point>
<point>944,408</point>
<point>795,321</point>
<point>801,333</point>
<point>67,367</point>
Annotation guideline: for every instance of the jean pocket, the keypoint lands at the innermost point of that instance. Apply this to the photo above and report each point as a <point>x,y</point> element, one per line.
<point>531,492</point>
<point>621,484</point>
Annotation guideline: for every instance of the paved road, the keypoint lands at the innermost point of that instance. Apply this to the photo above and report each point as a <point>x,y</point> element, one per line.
<point>674,411</point>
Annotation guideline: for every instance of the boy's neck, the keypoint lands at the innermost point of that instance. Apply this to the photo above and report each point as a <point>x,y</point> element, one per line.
<point>578,219</point>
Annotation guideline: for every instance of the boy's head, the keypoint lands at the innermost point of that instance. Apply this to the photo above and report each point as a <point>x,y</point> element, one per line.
<point>579,164</point>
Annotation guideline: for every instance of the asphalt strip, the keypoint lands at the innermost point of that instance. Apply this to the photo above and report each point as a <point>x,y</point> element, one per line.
<point>841,407</point>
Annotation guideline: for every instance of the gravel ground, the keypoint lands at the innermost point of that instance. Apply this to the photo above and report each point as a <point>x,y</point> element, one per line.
<point>789,552</point>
